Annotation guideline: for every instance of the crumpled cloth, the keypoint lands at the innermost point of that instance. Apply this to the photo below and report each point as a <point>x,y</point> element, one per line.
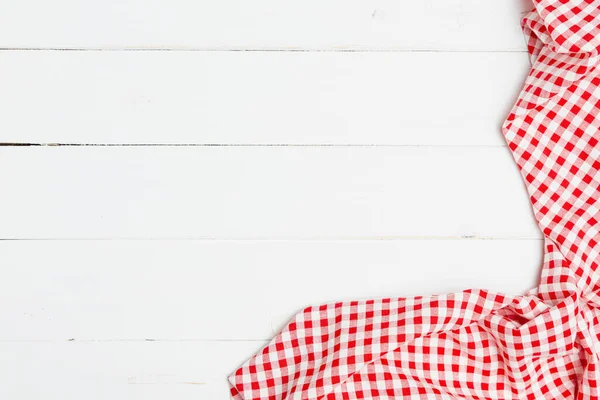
<point>474,344</point>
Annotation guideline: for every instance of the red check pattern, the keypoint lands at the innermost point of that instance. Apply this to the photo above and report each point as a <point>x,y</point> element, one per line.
<point>474,344</point>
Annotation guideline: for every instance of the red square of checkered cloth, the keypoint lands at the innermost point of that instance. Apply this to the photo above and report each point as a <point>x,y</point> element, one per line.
<point>544,344</point>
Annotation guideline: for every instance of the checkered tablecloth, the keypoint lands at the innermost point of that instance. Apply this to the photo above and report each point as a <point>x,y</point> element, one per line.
<point>475,344</point>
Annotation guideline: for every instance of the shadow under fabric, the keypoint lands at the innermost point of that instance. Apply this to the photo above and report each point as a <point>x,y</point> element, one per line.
<point>474,344</point>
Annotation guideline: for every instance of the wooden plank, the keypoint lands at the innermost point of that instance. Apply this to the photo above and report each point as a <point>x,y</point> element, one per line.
<point>265,24</point>
<point>261,192</point>
<point>169,290</point>
<point>258,98</point>
<point>124,370</point>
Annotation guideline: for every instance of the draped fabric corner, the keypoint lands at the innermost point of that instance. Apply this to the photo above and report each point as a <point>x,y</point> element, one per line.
<point>474,344</point>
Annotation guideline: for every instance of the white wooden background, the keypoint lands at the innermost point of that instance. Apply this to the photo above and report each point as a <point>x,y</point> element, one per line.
<point>201,170</point>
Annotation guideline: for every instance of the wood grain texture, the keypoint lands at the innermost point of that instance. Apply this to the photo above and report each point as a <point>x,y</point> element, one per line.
<point>258,98</point>
<point>261,193</point>
<point>339,150</point>
<point>120,370</point>
<point>265,24</point>
<point>230,290</point>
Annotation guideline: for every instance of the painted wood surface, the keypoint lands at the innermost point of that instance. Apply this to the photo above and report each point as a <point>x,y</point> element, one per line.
<point>229,163</point>
<point>262,193</point>
<point>258,98</point>
<point>73,370</point>
<point>230,290</point>
<point>265,24</point>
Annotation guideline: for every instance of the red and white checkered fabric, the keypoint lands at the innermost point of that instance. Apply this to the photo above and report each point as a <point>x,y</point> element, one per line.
<point>544,344</point>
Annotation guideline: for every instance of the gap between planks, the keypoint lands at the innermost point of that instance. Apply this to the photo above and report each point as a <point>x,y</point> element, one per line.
<point>74,340</point>
<point>268,49</point>
<point>286,239</point>
<point>18,144</point>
